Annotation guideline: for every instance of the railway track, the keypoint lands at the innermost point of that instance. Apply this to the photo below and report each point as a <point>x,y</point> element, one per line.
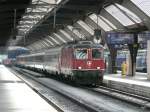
<point>125,96</point>
<point>87,107</point>
<point>134,99</point>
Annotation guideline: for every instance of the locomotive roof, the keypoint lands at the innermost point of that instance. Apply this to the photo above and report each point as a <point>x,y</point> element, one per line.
<point>83,44</point>
<point>47,52</point>
<point>34,54</point>
<point>88,46</point>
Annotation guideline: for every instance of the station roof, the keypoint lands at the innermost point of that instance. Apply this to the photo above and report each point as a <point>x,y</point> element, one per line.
<point>55,22</point>
<point>7,13</point>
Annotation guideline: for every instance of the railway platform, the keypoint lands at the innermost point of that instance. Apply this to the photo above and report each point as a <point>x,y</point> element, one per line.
<point>138,84</point>
<point>16,96</point>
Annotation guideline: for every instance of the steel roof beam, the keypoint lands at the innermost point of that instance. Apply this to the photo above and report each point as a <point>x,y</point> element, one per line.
<point>54,40</point>
<point>86,8</point>
<point>63,37</point>
<point>49,41</point>
<point>108,16</point>
<point>58,38</point>
<point>48,14</point>
<point>30,19</point>
<point>45,43</point>
<point>35,13</point>
<point>75,37</point>
<point>66,37</point>
<point>84,30</point>
<point>76,31</point>
<point>68,14</point>
<point>29,24</point>
<point>94,25</point>
<point>66,34</point>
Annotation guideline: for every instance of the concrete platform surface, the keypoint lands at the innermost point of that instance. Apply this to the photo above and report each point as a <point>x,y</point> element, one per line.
<point>138,84</point>
<point>16,96</point>
<point>139,79</point>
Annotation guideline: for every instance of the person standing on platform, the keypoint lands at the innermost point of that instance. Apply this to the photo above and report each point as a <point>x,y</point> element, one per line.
<point>124,68</point>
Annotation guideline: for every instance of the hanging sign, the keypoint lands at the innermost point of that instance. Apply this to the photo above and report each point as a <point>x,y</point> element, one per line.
<point>119,38</point>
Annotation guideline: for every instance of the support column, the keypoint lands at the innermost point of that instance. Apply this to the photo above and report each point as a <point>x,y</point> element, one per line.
<point>148,58</point>
<point>113,54</point>
<point>133,48</point>
<point>109,66</point>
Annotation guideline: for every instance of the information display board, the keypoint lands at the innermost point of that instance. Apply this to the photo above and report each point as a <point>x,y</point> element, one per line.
<point>120,38</point>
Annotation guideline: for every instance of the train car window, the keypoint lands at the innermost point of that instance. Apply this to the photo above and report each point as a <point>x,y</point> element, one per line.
<point>141,62</point>
<point>39,58</point>
<point>81,54</point>
<point>96,53</point>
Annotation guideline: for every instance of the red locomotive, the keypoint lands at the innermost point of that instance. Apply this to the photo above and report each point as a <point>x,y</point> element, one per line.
<point>82,62</point>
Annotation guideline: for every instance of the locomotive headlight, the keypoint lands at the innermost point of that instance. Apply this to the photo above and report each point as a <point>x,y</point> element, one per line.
<point>79,67</point>
<point>98,67</point>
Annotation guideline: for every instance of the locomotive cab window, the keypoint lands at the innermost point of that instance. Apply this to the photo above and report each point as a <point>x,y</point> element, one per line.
<point>81,54</point>
<point>96,53</point>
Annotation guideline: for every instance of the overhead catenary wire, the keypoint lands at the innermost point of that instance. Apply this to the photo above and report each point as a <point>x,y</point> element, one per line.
<point>15,13</point>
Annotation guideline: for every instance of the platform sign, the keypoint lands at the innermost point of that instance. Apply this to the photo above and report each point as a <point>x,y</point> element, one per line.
<point>120,38</point>
<point>119,46</point>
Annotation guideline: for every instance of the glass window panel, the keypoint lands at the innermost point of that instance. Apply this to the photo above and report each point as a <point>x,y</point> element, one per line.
<point>108,22</point>
<point>28,22</point>
<point>86,27</point>
<point>46,43</point>
<point>38,10</point>
<point>40,45</point>
<point>81,54</point>
<point>28,10</point>
<point>76,31</point>
<point>47,1</point>
<point>49,41</point>
<point>58,1</point>
<point>36,46</point>
<point>100,22</point>
<point>116,13</point>
<point>130,14</point>
<point>66,34</point>
<point>60,37</point>
<point>96,53</point>
<point>31,16</point>
<point>41,9</point>
<point>54,39</point>
<point>35,1</point>
<point>144,5</point>
<point>93,27</point>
